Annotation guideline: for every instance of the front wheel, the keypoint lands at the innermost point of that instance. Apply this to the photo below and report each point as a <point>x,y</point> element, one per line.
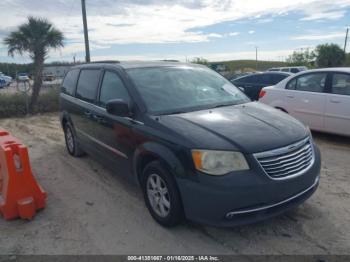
<point>71,141</point>
<point>161,195</point>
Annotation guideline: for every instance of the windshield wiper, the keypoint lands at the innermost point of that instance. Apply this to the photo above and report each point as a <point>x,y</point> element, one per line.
<point>223,105</point>
<point>173,113</point>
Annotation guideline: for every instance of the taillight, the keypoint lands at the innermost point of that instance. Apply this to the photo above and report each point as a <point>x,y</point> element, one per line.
<point>262,93</point>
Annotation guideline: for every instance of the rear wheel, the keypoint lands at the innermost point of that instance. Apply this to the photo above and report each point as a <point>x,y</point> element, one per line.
<point>161,195</point>
<point>71,142</point>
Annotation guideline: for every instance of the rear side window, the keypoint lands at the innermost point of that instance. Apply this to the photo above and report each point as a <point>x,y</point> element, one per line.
<point>341,84</point>
<point>291,84</point>
<point>87,84</point>
<point>70,81</point>
<point>311,82</point>
<point>294,70</point>
<point>112,88</point>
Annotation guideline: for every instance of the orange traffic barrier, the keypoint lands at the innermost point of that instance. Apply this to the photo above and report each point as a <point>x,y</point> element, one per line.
<point>20,194</point>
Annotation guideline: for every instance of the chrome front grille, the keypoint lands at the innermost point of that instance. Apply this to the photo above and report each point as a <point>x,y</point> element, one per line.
<point>288,161</point>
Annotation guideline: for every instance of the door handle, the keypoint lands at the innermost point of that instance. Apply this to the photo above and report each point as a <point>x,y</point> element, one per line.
<point>99,119</point>
<point>334,101</point>
<point>290,96</point>
<point>87,113</point>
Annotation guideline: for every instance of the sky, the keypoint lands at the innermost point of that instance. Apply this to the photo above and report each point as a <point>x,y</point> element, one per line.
<point>216,30</point>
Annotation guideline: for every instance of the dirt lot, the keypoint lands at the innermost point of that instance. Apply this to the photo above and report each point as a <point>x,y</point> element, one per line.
<point>93,211</point>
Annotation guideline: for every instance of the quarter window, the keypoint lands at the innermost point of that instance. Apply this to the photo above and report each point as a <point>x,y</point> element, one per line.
<point>112,88</point>
<point>87,84</point>
<point>311,82</point>
<point>291,84</point>
<point>341,84</point>
<point>70,81</point>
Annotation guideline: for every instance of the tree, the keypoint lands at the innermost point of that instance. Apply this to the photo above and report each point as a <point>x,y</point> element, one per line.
<point>329,55</point>
<point>347,60</point>
<point>200,60</point>
<point>304,58</point>
<point>35,37</point>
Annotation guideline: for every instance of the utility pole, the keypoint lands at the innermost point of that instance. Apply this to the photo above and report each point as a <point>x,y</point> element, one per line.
<point>256,58</point>
<point>86,33</point>
<point>346,39</point>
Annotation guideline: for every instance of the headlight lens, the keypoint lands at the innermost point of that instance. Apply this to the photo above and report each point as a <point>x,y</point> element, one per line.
<point>218,162</point>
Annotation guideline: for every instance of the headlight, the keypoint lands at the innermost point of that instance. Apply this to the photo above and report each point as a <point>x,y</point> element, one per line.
<point>218,162</point>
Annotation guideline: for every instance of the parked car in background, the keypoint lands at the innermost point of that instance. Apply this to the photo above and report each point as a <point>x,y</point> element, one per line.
<point>293,69</point>
<point>2,83</point>
<point>320,98</point>
<point>235,76</point>
<point>48,77</point>
<point>7,79</point>
<point>253,83</point>
<point>196,145</point>
<point>22,77</point>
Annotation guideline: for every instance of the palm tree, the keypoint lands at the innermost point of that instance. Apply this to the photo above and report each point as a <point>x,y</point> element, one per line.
<point>35,37</point>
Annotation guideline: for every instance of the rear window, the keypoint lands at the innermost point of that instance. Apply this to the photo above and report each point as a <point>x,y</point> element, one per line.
<point>87,84</point>
<point>277,78</point>
<point>248,79</point>
<point>70,81</point>
<point>264,79</point>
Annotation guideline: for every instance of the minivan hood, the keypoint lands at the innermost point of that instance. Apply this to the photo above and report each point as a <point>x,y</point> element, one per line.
<point>250,128</point>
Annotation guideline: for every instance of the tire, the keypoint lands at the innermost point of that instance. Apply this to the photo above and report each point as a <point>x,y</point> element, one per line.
<point>168,195</point>
<point>71,141</point>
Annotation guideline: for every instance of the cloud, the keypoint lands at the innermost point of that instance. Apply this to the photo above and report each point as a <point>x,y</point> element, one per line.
<point>251,32</point>
<point>214,35</point>
<point>155,21</point>
<point>265,20</point>
<point>217,56</point>
<point>333,15</point>
<point>325,36</point>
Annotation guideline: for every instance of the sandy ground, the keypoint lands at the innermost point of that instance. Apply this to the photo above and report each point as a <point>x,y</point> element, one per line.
<point>21,87</point>
<point>93,211</point>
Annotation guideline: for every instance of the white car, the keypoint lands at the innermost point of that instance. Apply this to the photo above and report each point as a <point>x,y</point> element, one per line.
<point>7,79</point>
<point>23,77</point>
<point>289,69</point>
<point>320,98</point>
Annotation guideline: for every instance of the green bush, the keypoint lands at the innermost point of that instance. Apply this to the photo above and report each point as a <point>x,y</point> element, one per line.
<point>15,104</point>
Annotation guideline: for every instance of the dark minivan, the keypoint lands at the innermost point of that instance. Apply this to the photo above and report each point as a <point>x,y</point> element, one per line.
<point>196,145</point>
<point>252,84</point>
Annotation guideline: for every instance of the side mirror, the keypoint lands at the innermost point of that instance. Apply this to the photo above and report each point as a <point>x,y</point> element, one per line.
<point>118,107</point>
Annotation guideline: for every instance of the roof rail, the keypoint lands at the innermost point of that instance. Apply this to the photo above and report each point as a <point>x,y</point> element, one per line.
<point>169,60</point>
<point>105,62</point>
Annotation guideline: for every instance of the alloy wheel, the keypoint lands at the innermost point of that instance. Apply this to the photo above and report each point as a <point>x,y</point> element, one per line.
<point>158,195</point>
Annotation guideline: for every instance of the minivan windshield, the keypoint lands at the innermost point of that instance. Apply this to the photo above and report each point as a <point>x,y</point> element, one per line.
<point>170,90</point>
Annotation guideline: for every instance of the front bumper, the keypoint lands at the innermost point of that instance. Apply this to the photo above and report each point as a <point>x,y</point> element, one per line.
<point>245,197</point>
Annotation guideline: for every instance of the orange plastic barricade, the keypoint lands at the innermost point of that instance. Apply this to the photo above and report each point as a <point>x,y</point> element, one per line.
<point>20,194</point>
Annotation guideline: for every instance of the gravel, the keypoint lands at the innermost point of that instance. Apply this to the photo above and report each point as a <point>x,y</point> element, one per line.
<point>91,210</point>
